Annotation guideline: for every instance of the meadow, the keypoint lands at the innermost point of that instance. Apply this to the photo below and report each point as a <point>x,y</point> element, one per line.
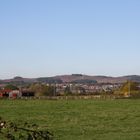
<point>78,119</point>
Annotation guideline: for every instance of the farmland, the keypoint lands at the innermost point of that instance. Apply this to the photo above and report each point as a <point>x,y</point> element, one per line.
<point>78,119</point>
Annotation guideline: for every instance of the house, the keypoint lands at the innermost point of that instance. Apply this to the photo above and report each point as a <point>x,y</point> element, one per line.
<point>15,94</point>
<point>27,93</point>
<point>5,92</point>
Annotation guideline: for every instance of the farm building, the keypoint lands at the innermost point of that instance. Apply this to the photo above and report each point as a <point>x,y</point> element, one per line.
<point>15,94</point>
<point>4,92</point>
<point>26,93</point>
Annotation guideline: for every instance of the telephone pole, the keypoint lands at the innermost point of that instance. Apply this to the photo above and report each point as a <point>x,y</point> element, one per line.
<point>54,92</point>
<point>129,87</point>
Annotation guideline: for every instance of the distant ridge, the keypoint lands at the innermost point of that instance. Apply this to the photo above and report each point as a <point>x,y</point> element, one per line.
<point>73,78</point>
<point>100,79</point>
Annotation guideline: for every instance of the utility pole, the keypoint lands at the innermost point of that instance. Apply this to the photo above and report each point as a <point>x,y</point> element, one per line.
<point>129,87</point>
<point>54,91</point>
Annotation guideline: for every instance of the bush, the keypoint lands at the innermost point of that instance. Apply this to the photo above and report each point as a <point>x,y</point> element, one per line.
<point>25,131</point>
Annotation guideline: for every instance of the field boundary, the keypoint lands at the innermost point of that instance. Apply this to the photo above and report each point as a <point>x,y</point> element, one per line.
<point>75,97</point>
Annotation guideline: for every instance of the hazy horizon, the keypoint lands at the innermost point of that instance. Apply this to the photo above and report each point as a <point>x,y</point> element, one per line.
<point>65,75</point>
<point>48,38</point>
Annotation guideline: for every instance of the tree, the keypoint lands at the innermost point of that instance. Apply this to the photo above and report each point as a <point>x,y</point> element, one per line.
<point>48,91</point>
<point>42,90</point>
<point>67,90</point>
<point>129,86</point>
<point>11,87</point>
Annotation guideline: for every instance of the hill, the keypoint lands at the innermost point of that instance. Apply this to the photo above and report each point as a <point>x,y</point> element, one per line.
<point>74,78</point>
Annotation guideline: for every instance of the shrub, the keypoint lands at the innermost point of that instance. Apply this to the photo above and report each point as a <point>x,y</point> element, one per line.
<point>25,131</point>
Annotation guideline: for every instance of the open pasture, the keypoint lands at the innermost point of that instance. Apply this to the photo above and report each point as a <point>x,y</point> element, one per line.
<point>78,119</point>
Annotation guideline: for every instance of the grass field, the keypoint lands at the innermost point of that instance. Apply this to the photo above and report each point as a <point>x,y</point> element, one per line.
<point>79,119</point>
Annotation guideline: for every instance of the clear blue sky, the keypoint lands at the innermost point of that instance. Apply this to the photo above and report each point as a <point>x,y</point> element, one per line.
<point>52,37</point>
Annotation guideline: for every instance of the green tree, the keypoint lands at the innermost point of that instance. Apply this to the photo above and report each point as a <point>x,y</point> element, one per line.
<point>11,87</point>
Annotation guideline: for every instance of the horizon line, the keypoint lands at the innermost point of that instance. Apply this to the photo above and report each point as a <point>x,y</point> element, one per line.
<point>69,75</point>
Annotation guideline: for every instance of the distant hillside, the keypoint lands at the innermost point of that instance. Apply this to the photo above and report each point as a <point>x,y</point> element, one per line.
<point>18,81</point>
<point>99,79</point>
<point>74,78</point>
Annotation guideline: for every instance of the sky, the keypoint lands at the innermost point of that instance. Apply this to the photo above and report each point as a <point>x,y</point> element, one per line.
<point>40,38</point>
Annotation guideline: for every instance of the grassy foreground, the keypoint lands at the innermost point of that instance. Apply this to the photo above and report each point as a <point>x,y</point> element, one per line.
<point>79,119</point>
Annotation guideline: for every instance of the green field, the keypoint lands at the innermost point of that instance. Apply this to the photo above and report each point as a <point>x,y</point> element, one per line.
<point>79,119</point>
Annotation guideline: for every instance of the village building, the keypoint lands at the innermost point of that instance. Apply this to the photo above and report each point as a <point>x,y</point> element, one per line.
<point>15,94</point>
